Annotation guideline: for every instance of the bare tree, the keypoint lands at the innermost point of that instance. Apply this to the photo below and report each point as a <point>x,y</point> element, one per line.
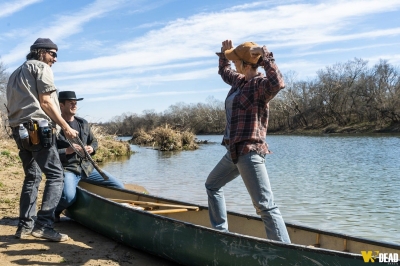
<point>386,92</point>
<point>342,94</point>
<point>3,111</point>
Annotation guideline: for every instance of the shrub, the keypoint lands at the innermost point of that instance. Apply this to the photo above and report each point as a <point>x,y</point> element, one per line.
<point>189,140</point>
<point>108,145</point>
<point>166,139</point>
<point>142,138</point>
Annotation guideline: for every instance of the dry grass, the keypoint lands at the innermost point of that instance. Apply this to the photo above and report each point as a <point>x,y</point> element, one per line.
<point>189,140</point>
<point>12,174</point>
<point>109,147</point>
<point>11,178</point>
<point>142,138</point>
<point>10,190</point>
<point>166,139</point>
<point>8,153</point>
<point>3,118</point>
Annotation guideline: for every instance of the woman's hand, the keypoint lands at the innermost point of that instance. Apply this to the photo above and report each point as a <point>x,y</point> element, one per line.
<point>256,51</point>
<point>226,45</point>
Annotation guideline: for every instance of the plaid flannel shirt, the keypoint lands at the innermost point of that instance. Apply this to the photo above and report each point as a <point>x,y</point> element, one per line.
<point>250,109</point>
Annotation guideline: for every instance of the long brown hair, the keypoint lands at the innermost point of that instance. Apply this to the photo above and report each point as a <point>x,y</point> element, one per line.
<point>253,66</point>
<point>36,54</point>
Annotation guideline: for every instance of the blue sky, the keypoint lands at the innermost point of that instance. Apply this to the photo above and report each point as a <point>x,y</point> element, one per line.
<point>127,56</point>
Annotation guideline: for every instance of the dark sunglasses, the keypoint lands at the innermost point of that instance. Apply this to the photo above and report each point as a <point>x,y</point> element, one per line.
<point>53,54</point>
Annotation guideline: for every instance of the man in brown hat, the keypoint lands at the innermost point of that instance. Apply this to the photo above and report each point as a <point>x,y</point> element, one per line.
<point>32,101</point>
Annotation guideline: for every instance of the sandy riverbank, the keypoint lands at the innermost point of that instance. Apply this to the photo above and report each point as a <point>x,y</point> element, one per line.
<point>85,247</point>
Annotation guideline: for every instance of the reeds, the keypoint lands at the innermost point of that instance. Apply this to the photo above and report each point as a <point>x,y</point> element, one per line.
<point>109,146</point>
<point>166,139</point>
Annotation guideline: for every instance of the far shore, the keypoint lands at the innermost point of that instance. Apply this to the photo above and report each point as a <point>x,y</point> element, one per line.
<point>355,129</point>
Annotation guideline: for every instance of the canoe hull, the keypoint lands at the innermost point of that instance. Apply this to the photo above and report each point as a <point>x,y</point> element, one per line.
<point>190,244</point>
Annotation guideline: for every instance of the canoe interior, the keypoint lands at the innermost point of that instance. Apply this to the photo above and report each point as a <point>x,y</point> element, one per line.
<point>252,225</point>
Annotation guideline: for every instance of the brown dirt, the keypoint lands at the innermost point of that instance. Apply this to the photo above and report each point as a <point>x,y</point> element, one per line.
<point>85,247</point>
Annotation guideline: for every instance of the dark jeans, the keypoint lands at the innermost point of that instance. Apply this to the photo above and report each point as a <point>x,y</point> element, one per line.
<point>35,161</point>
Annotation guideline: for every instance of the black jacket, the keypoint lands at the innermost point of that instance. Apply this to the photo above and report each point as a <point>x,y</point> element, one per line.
<point>72,162</point>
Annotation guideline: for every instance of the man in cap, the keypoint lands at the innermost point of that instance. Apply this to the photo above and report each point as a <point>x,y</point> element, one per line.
<point>74,168</point>
<point>32,97</point>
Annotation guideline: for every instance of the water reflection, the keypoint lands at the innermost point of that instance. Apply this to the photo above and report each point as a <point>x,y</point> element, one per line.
<point>115,159</point>
<point>348,184</point>
<point>167,154</point>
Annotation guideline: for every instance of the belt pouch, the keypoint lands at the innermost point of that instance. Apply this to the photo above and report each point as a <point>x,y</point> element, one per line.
<point>46,136</point>
<point>34,133</point>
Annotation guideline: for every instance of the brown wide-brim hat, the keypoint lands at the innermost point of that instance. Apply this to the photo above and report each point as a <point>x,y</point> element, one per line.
<point>242,52</point>
<point>68,95</point>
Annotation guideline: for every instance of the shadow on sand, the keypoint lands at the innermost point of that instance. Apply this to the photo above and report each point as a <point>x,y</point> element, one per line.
<point>85,247</point>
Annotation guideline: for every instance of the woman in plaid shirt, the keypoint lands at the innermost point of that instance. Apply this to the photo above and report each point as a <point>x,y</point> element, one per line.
<point>246,109</point>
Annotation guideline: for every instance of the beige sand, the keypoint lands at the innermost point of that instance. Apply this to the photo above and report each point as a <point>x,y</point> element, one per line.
<point>84,247</point>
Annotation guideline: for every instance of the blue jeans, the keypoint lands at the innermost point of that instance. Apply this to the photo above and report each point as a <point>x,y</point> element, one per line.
<point>254,174</point>
<point>44,160</point>
<point>71,181</point>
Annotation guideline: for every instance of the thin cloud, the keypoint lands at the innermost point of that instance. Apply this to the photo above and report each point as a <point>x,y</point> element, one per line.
<point>112,85</point>
<point>156,94</point>
<point>9,8</point>
<point>63,27</point>
<point>325,38</point>
<point>151,25</point>
<point>130,71</point>
<point>263,4</point>
<point>294,25</point>
<point>393,59</point>
<point>308,68</point>
<point>339,50</point>
<point>146,6</point>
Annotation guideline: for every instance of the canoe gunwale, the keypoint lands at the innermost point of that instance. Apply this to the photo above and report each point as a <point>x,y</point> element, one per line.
<point>253,217</point>
<point>237,235</point>
<point>347,237</point>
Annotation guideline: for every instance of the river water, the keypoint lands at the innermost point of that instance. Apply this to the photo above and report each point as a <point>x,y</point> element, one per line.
<point>348,184</point>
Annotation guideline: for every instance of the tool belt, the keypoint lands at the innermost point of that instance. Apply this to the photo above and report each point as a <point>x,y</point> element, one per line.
<point>39,137</point>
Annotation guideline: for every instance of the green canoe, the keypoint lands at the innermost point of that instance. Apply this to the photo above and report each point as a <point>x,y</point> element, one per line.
<point>181,232</point>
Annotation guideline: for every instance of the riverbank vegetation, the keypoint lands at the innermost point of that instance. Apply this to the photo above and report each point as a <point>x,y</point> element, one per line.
<point>12,174</point>
<point>346,97</point>
<point>109,147</point>
<point>166,139</point>
<point>200,118</point>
